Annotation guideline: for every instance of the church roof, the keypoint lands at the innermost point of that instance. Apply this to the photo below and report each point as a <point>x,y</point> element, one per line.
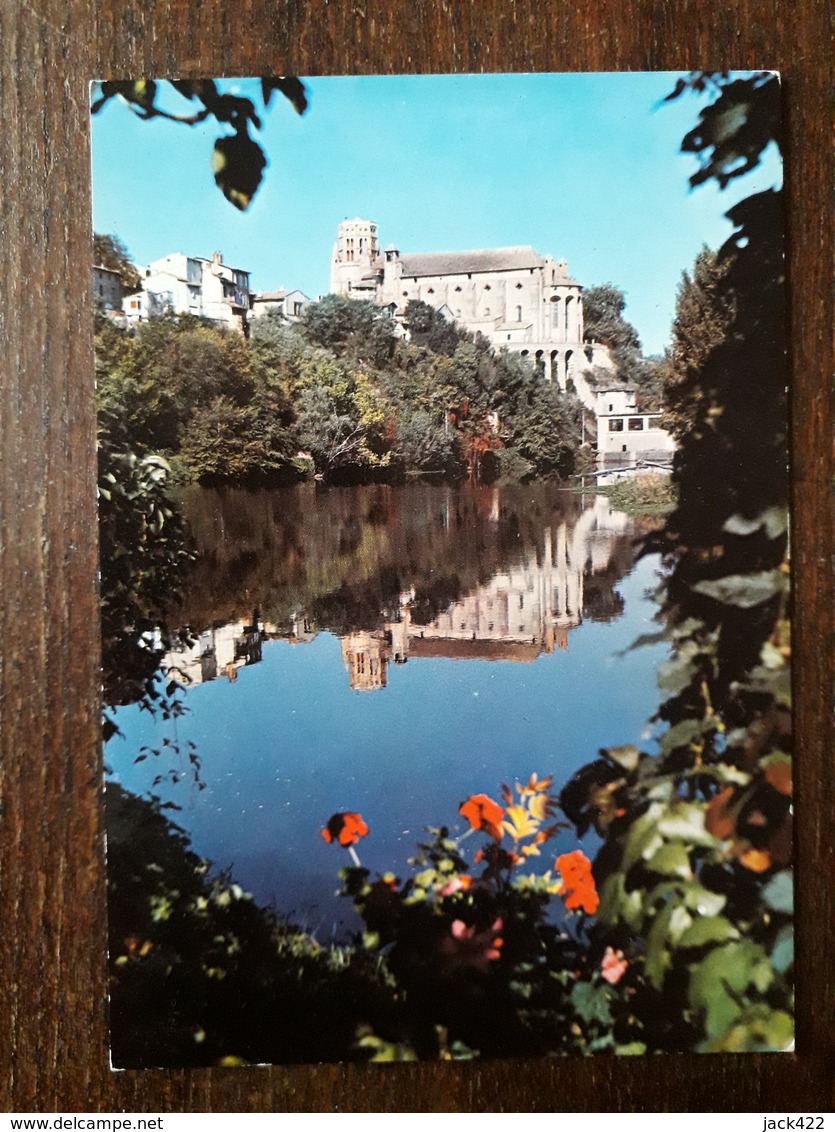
<point>467,263</point>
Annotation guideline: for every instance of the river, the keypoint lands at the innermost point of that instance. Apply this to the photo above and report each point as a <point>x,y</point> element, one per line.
<point>388,651</point>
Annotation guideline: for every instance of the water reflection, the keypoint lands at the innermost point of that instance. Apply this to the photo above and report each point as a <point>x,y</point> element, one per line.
<point>398,574</point>
<point>496,620</point>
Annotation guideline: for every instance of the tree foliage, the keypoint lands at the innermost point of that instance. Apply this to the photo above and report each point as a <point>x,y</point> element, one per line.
<point>603,321</point>
<point>697,838</point>
<point>110,252</point>
<point>338,388</point>
<point>703,318</point>
<point>143,554</point>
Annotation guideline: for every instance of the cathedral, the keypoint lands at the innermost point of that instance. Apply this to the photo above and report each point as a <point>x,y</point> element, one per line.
<point>518,299</point>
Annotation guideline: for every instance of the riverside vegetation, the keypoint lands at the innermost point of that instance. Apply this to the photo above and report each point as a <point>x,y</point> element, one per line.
<point>337,395</point>
<point>677,936</point>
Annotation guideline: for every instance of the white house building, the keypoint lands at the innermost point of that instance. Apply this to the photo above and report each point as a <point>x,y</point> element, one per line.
<point>208,288</point>
<point>290,304</point>
<point>624,434</point>
<point>107,288</point>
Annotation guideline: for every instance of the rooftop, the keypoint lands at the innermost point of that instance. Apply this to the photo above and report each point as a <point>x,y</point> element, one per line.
<point>467,263</point>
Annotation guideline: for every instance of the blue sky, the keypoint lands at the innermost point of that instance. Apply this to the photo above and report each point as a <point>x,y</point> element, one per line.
<point>582,167</point>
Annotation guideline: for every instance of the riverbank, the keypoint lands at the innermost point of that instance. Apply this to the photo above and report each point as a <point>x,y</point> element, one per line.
<point>645,496</point>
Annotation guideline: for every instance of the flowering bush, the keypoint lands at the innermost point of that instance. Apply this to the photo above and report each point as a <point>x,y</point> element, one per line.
<point>485,957</point>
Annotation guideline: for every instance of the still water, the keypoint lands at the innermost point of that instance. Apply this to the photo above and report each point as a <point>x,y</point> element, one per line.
<point>388,651</point>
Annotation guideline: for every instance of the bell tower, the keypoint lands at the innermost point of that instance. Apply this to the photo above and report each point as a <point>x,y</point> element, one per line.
<point>354,256</point>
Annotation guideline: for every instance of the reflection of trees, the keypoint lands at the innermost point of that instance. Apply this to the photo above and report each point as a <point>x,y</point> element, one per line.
<point>343,558</point>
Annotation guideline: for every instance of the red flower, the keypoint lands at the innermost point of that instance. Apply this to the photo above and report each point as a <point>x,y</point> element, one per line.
<point>483,813</point>
<point>579,891</point>
<point>346,829</point>
<point>613,966</point>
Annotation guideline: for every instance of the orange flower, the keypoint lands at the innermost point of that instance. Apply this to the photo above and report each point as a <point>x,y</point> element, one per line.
<point>346,829</point>
<point>613,966</point>
<point>579,891</point>
<point>483,813</point>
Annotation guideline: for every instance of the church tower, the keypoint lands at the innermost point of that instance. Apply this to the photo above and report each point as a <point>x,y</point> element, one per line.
<point>354,259</point>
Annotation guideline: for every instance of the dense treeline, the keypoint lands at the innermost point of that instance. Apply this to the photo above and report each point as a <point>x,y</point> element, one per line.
<point>338,394</point>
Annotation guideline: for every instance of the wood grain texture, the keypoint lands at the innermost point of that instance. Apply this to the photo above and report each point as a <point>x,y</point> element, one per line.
<point>53,1049</point>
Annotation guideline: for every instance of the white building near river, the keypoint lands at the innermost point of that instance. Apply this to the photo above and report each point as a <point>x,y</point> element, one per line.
<point>625,434</point>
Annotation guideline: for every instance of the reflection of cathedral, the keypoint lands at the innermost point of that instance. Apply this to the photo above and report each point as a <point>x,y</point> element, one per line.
<point>367,655</point>
<point>527,609</point>
<point>519,614</point>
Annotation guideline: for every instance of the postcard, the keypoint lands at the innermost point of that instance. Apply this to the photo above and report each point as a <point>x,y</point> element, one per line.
<point>444,566</point>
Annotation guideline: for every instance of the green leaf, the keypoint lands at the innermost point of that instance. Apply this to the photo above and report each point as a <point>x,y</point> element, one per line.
<point>674,675</point>
<point>626,756</point>
<point>617,904</point>
<point>291,87</point>
<point>591,1003</point>
<point>782,954</point>
<point>759,1030</point>
<point>773,519</point>
<point>657,957</point>
<point>779,893</point>
<point>644,838</point>
<point>648,639</point>
<point>703,900</point>
<point>744,590</point>
<point>783,950</point>
<point>686,821</point>
<point>708,929</point>
<point>631,1049</point>
<point>238,164</point>
<point>683,733</point>
<point>671,859</point>
<point>720,983</point>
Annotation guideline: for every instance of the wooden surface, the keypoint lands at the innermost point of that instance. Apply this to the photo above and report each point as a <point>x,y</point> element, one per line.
<point>52,951</point>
